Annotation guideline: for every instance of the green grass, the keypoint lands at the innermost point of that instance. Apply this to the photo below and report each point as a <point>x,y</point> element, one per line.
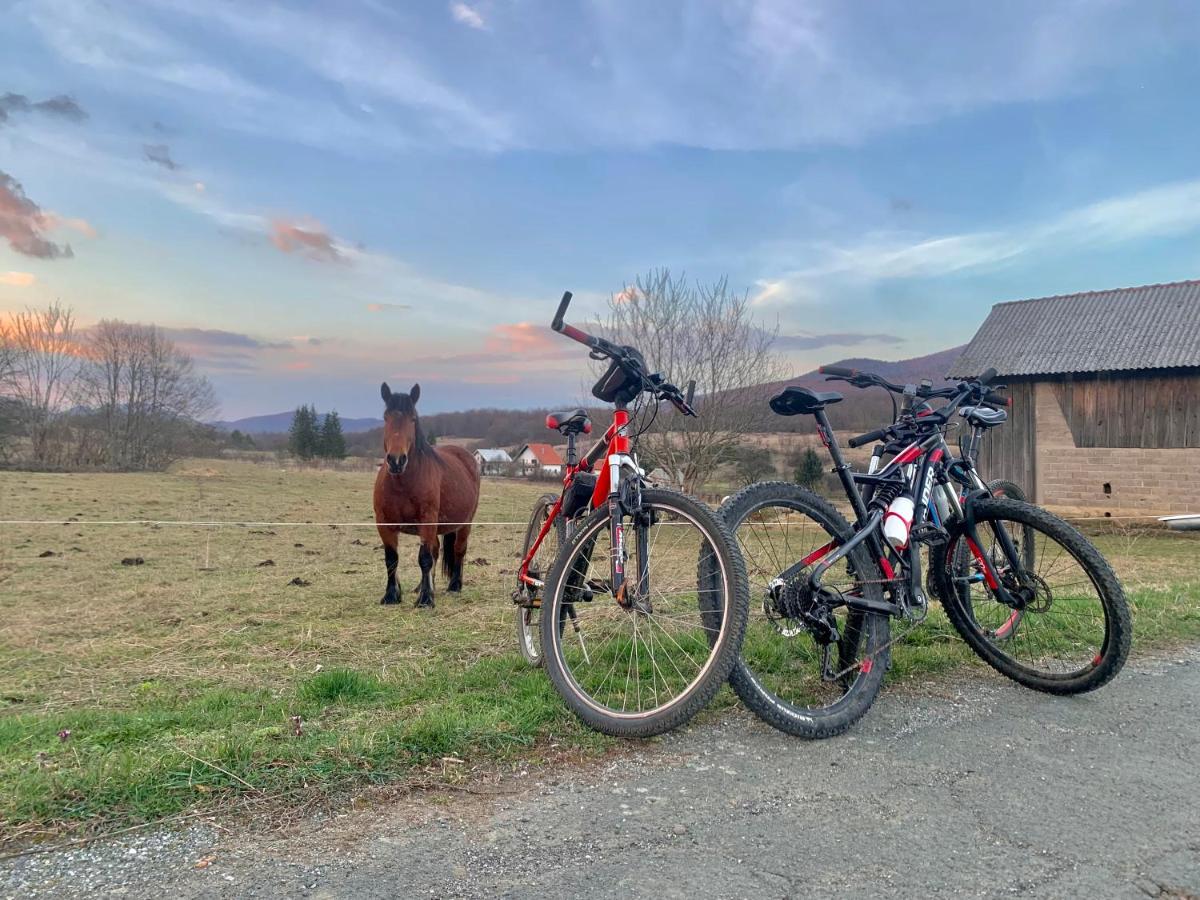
<point>181,681</point>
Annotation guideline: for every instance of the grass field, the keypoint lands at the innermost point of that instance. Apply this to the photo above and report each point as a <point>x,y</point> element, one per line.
<point>203,677</point>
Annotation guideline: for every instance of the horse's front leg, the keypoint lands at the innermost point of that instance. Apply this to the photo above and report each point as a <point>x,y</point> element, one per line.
<point>427,558</point>
<point>391,559</point>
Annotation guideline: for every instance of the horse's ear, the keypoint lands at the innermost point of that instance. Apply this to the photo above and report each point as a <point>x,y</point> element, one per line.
<point>415,393</point>
<point>385,392</point>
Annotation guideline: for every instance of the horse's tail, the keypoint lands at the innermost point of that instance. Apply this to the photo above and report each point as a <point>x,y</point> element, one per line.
<point>448,553</point>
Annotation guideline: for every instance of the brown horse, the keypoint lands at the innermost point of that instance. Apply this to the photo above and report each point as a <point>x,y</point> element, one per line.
<point>422,490</point>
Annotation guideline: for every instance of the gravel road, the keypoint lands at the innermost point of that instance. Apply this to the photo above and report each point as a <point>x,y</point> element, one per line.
<point>976,789</point>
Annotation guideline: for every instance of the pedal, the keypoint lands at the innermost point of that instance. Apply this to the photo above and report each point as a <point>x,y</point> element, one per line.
<point>929,534</point>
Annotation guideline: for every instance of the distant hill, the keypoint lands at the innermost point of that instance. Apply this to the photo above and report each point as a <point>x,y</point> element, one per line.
<point>904,371</point>
<point>276,423</point>
<point>861,410</point>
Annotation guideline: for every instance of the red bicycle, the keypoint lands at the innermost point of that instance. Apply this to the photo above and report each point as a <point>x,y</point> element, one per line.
<point>649,643</point>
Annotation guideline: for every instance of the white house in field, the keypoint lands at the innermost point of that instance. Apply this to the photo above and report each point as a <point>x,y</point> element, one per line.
<point>542,458</point>
<point>492,460</point>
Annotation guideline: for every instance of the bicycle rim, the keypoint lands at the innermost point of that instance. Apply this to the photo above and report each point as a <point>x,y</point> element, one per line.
<point>1063,632</point>
<point>795,667</point>
<point>640,668</point>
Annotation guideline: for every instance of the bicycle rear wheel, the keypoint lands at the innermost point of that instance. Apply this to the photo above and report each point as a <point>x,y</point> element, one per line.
<point>643,667</point>
<point>805,682</point>
<point>528,611</point>
<point>1074,632</point>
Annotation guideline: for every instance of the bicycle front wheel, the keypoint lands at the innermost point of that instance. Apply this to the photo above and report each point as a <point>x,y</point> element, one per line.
<point>1074,630</point>
<point>646,663</point>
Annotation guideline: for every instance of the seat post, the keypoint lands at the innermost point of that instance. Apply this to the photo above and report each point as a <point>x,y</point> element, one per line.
<point>841,467</point>
<point>570,448</point>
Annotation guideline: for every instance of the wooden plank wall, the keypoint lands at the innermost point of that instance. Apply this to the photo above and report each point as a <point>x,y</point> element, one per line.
<point>1129,409</point>
<point>1010,451</point>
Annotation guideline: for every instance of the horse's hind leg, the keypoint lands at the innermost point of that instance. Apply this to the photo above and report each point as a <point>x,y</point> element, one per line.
<point>456,552</point>
<point>391,559</point>
<point>426,558</point>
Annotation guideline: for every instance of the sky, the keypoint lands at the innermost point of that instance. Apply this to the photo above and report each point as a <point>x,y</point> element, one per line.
<point>315,197</point>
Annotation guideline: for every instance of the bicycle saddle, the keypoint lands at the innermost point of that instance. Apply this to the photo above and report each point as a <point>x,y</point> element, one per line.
<point>573,421</point>
<point>984,416</point>
<point>796,401</point>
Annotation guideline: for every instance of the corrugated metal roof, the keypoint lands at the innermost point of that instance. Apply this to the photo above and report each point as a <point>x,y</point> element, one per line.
<point>1152,327</point>
<point>493,455</point>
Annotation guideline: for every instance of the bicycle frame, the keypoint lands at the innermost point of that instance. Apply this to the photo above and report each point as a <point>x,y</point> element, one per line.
<point>926,455</point>
<point>614,447</point>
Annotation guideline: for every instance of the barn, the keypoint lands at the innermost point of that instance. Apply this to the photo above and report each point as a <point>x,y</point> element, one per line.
<point>1106,397</point>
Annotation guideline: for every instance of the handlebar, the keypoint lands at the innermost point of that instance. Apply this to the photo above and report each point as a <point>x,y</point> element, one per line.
<point>838,371</point>
<point>602,348</point>
<point>557,322</point>
<point>994,399</point>
<point>869,437</point>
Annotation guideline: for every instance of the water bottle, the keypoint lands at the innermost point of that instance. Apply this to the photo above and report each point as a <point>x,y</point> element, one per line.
<point>898,520</point>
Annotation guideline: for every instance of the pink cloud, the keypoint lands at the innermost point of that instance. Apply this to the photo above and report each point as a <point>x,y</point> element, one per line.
<point>17,279</point>
<point>519,337</point>
<point>308,238</point>
<point>24,225</point>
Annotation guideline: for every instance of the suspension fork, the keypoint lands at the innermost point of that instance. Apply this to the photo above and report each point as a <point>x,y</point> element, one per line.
<point>1009,549</point>
<point>618,460</point>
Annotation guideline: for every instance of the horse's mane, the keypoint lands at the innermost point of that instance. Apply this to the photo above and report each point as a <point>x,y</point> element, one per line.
<point>402,403</point>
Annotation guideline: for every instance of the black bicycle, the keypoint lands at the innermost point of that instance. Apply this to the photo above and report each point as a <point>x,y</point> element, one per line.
<point>1026,591</point>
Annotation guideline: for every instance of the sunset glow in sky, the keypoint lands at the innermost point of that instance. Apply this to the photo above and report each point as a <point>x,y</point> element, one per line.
<point>313,198</point>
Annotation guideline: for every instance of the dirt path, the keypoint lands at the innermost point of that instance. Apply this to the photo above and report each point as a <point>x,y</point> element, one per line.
<point>979,789</point>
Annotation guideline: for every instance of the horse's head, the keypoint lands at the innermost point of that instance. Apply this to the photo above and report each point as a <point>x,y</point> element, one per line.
<point>400,433</point>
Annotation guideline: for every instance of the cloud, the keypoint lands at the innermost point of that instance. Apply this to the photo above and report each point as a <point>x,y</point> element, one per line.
<point>160,155</point>
<point>23,224</point>
<point>17,279</point>
<point>387,307</point>
<point>374,78</point>
<point>62,107</point>
<point>520,338</point>
<point>216,338</point>
<point>309,239</point>
<point>467,15</point>
<point>1162,211</point>
<point>834,339</point>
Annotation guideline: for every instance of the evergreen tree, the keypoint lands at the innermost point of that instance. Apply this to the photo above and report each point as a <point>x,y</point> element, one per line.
<point>809,470</point>
<point>239,440</point>
<point>333,443</point>
<point>303,437</point>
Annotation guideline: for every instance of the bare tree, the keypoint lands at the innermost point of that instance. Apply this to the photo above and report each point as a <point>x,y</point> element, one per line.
<point>9,408</point>
<point>42,367</point>
<point>703,332</point>
<point>145,393</point>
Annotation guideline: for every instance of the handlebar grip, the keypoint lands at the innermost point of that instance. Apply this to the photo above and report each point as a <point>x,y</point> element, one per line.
<point>557,323</point>
<point>988,376</point>
<point>997,399</point>
<point>837,370</point>
<point>690,394</point>
<point>867,438</point>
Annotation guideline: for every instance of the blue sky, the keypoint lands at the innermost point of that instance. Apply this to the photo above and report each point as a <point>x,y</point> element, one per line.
<point>315,197</point>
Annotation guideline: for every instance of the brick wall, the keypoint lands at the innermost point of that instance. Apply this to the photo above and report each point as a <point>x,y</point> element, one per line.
<point>1140,481</point>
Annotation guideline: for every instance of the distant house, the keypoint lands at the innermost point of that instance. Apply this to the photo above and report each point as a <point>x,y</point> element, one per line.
<point>539,458</point>
<point>492,461</point>
<point>1105,393</point>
